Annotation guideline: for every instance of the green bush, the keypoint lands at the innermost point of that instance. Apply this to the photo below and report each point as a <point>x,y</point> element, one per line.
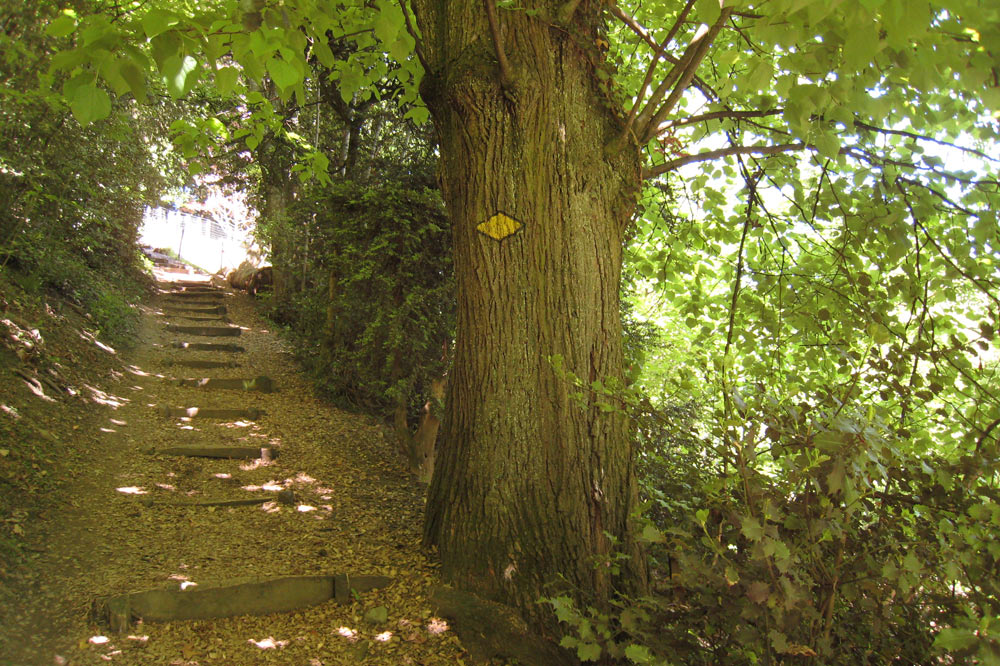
<point>388,328</point>
<point>816,535</point>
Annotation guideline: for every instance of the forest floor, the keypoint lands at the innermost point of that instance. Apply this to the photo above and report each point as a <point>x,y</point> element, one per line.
<point>88,509</point>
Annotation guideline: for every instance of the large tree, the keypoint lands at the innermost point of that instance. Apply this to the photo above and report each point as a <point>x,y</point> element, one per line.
<point>551,116</point>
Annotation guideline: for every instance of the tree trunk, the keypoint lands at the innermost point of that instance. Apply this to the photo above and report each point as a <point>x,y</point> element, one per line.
<point>278,194</point>
<point>528,484</point>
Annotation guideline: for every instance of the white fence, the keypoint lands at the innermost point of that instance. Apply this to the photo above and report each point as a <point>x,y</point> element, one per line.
<point>204,242</point>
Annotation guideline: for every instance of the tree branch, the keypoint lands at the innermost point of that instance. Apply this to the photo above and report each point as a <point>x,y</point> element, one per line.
<point>659,50</point>
<point>416,38</point>
<point>921,137</point>
<point>506,81</point>
<point>566,11</point>
<point>652,172</point>
<point>716,115</point>
<point>703,44</point>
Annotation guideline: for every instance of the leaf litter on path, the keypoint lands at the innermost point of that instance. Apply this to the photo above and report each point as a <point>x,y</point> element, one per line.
<point>356,511</point>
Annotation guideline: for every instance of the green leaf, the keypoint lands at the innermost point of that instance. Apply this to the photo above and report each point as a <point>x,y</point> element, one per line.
<point>157,22</point>
<point>388,22</point>
<point>651,534</point>
<point>588,652</point>
<point>639,654</point>
<point>89,103</point>
<point>418,114</point>
<point>954,638</point>
<point>179,73</point>
<point>284,74</point>
<point>135,78</point>
<point>752,529</point>
<point>62,26</point>
<point>225,80</point>
<point>880,334</point>
<point>708,11</point>
<point>911,563</point>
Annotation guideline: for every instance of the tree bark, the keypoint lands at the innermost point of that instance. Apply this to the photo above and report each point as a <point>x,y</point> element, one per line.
<point>529,484</point>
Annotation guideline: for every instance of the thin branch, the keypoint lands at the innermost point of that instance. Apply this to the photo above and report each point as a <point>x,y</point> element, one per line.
<point>651,172</point>
<point>566,11</point>
<point>716,115</point>
<point>689,71</point>
<point>659,51</point>
<point>506,81</point>
<point>921,137</point>
<point>680,66</point>
<point>416,38</point>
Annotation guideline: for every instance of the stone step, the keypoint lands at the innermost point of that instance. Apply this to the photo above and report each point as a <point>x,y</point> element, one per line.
<point>193,289</point>
<point>251,414</point>
<point>262,384</point>
<point>220,309</point>
<point>186,363</point>
<point>215,331</point>
<point>221,319</point>
<point>194,303</point>
<point>195,295</point>
<point>208,346</point>
<point>202,602</point>
<point>251,452</point>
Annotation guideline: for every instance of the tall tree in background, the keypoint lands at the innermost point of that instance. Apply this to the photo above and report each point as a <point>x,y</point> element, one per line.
<point>550,116</point>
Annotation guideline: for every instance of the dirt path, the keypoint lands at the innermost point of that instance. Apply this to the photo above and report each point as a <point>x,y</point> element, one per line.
<point>119,528</point>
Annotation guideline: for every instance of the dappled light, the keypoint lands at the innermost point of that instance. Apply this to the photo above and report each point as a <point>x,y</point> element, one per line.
<point>437,626</point>
<point>451,331</point>
<point>103,398</point>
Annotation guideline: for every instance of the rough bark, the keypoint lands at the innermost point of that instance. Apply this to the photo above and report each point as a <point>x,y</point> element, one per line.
<point>528,484</point>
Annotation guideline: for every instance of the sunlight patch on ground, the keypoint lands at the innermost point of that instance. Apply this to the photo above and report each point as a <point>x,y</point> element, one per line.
<point>188,583</point>
<point>437,626</point>
<point>89,337</point>
<point>254,464</point>
<point>98,640</point>
<point>35,387</point>
<point>304,508</point>
<point>102,398</point>
<point>273,486</point>
<point>136,370</point>
<point>10,411</point>
<point>302,477</point>
<point>165,486</point>
<point>271,507</point>
<point>107,430</point>
<point>348,633</point>
<point>118,422</point>
<point>268,643</point>
<point>132,490</point>
<point>384,637</point>
<point>223,475</point>
<point>138,640</point>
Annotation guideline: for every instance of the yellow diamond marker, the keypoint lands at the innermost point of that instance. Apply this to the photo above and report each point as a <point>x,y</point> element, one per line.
<point>499,227</point>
